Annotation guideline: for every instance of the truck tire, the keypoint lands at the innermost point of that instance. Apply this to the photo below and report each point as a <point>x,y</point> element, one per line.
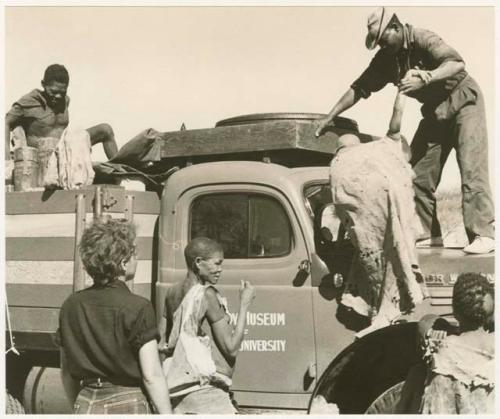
<point>44,392</point>
<point>367,374</point>
<point>13,406</point>
<point>386,403</point>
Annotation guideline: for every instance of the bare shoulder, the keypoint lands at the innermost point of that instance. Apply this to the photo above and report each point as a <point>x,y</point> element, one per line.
<point>214,310</point>
<point>211,295</point>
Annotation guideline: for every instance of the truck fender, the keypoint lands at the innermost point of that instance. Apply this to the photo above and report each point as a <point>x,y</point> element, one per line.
<point>366,369</point>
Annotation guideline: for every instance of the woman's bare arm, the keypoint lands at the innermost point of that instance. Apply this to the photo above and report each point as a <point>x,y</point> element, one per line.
<point>153,378</point>
<point>71,386</point>
<point>227,338</point>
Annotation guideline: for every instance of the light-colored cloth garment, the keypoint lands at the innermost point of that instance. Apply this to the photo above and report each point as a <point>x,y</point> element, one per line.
<point>373,196</point>
<point>191,366</point>
<point>18,137</point>
<point>69,166</point>
<point>461,376</point>
<point>205,401</point>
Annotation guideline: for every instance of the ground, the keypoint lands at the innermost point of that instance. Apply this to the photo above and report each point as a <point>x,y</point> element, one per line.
<point>255,411</point>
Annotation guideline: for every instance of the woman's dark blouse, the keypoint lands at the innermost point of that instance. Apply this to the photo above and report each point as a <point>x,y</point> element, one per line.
<point>102,329</point>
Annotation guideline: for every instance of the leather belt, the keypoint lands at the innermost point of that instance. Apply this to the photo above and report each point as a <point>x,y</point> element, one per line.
<point>94,382</point>
<point>99,382</point>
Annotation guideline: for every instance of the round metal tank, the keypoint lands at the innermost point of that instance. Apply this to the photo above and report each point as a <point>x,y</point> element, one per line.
<point>44,392</point>
<point>340,122</point>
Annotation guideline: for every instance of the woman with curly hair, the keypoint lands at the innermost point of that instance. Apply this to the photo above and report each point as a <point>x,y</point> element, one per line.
<point>460,373</point>
<point>108,335</point>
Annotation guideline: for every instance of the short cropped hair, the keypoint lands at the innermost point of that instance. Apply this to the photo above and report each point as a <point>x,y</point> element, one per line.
<point>56,72</point>
<point>346,140</point>
<point>103,248</point>
<point>201,247</point>
<point>468,299</point>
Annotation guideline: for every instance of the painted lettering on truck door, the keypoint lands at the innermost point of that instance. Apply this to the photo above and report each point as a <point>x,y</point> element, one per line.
<point>264,244</point>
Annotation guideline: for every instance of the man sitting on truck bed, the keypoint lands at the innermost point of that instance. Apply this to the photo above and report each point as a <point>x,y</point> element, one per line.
<point>43,114</point>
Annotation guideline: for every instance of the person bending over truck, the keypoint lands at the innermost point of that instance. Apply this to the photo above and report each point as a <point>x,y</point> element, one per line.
<point>457,375</point>
<point>373,197</point>
<point>424,67</point>
<point>108,335</point>
<point>202,344</point>
<point>40,118</point>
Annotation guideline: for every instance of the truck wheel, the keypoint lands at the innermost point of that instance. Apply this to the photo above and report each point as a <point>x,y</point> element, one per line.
<point>386,403</point>
<point>13,406</point>
<point>365,376</point>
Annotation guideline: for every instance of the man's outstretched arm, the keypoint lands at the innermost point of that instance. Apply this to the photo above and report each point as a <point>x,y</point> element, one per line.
<point>348,99</point>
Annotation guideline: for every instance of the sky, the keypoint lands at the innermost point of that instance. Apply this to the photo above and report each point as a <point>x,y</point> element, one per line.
<point>159,67</point>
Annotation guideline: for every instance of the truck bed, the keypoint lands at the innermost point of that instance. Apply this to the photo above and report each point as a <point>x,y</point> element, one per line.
<point>450,260</point>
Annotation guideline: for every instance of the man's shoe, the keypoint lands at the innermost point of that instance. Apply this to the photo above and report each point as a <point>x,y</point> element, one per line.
<point>430,242</point>
<point>480,245</point>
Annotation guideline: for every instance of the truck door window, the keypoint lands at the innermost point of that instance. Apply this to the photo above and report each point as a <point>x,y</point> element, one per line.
<point>319,204</point>
<point>247,225</point>
<point>331,241</point>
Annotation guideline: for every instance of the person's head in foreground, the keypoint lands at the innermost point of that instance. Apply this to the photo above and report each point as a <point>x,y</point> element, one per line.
<point>108,249</point>
<point>473,302</point>
<point>204,258</point>
<point>55,85</point>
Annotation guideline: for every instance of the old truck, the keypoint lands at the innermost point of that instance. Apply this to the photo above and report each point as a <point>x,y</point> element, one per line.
<point>259,185</point>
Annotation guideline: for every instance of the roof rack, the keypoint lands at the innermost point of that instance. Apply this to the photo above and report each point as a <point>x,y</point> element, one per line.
<point>283,138</point>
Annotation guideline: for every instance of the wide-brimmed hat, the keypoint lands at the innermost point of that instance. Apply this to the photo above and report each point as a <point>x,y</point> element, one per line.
<point>377,23</point>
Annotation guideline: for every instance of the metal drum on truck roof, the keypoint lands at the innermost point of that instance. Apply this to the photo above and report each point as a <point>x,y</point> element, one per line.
<point>255,118</point>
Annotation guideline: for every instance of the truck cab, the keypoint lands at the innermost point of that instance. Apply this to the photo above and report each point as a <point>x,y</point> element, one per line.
<point>270,218</point>
<point>259,186</point>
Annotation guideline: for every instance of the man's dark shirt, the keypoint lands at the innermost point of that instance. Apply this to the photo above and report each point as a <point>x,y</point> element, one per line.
<point>422,49</point>
<point>102,330</point>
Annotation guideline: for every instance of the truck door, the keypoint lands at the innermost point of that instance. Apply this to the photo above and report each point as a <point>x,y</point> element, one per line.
<point>264,244</point>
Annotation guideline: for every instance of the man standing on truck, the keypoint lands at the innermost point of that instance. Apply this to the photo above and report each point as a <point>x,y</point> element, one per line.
<point>424,67</point>
<point>43,114</point>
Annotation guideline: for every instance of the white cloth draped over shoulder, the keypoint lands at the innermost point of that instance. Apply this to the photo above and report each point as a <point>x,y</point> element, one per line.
<point>191,365</point>
<point>471,361</point>
<point>461,376</point>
